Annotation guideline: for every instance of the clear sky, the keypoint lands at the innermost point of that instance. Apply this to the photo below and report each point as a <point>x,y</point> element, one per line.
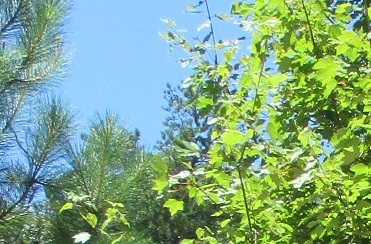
<point>121,63</point>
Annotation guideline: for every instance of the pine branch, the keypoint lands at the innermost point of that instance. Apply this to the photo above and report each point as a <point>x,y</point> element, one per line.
<point>13,19</point>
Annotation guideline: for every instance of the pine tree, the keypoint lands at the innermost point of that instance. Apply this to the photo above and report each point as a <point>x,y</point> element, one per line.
<point>33,131</point>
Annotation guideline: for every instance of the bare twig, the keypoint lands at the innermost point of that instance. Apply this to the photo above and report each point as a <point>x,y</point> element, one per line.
<point>212,33</point>
<point>239,169</point>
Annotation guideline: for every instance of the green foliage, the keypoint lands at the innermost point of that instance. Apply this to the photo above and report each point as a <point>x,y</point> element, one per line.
<point>102,169</point>
<point>111,226</point>
<point>288,162</point>
<point>34,132</point>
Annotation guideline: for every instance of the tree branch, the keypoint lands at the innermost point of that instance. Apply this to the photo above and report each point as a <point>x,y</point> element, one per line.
<point>212,33</point>
<point>309,26</point>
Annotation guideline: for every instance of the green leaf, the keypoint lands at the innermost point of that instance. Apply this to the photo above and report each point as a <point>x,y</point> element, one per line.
<point>232,137</point>
<point>200,233</point>
<point>272,129</point>
<point>326,72</point>
<point>174,206</point>
<point>124,220</point>
<point>111,212</point>
<point>160,166</point>
<point>367,108</point>
<point>345,8</point>
<point>303,138</point>
<point>296,153</point>
<point>204,102</point>
<point>119,204</point>
<point>222,179</point>
<point>225,222</point>
<point>91,219</point>
<point>187,241</point>
<point>160,184</point>
<point>66,206</point>
<point>334,31</point>
<point>106,223</point>
<point>300,181</point>
<point>360,169</point>
<point>191,146</point>
<point>214,197</point>
<point>117,240</point>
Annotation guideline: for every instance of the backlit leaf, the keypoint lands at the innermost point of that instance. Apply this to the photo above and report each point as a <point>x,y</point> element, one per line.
<point>174,206</point>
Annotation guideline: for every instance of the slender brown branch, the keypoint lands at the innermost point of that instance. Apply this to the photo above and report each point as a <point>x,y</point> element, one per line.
<point>288,7</point>
<point>257,86</point>
<point>309,26</point>
<point>212,33</point>
<point>17,202</point>
<point>239,169</point>
<point>13,19</point>
<point>14,112</point>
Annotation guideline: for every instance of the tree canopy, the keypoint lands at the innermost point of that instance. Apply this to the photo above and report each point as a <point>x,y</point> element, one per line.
<point>290,142</point>
<point>266,141</point>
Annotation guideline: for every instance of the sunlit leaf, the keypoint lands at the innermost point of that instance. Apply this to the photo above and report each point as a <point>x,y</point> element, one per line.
<point>81,237</point>
<point>232,137</point>
<point>66,206</point>
<point>174,206</point>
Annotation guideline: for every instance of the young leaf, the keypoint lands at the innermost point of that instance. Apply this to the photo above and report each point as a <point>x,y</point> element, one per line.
<point>174,206</point>
<point>160,184</point>
<point>225,222</point>
<point>160,166</point>
<point>117,240</point>
<point>200,233</point>
<point>66,206</point>
<point>232,137</point>
<point>91,219</point>
<point>360,169</point>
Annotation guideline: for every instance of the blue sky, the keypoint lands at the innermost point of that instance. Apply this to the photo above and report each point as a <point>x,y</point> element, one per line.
<point>121,63</point>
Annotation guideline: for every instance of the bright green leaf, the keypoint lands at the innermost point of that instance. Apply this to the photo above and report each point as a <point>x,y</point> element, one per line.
<point>91,219</point>
<point>200,233</point>
<point>360,169</point>
<point>66,206</point>
<point>225,222</point>
<point>204,102</point>
<point>232,137</point>
<point>160,184</point>
<point>117,240</point>
<point>174,206</point>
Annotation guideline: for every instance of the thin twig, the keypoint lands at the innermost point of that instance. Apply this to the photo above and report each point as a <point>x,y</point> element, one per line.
<point>239,169</point>
<point>212,33</point>
<point>14,112</point>
<point>216,203</point>
<point>13,19</point>
<point>257,85</point>
<point>288,7</point>
<point>309,26</point>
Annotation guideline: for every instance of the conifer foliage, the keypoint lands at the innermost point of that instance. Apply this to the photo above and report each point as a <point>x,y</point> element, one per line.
<point>34,130</point>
